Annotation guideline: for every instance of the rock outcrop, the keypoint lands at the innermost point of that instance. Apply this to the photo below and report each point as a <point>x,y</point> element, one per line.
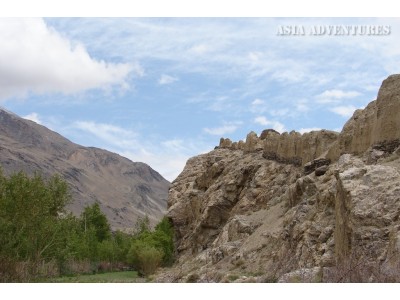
<point>291,207</point>
<point>377,125</point>
<point>288,148</point>
<point>367,207</point>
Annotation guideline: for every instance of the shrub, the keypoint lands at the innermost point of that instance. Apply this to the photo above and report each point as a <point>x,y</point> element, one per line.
<point>233,277</point>
<point>158,242</point>
<point>145,257</point>
<point>193,278</point>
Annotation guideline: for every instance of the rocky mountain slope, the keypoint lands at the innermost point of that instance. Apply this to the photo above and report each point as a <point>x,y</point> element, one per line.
<point>322,206</point>
<point>124,189</point>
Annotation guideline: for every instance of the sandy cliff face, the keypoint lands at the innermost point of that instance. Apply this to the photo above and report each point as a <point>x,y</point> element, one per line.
<point>376,126</point>
<point>321,206</point>
<point>291,148</point>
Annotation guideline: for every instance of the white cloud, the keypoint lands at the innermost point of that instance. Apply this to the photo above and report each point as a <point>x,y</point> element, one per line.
<point>344,111</point>
<point>34,58</point>
<point>167,157</point>
<point>262,121</point>
<point>226,50</point>
<point>220,104</point>
<point>276,125</point>
<point>174,144</point>
<point>200,49</point>
<point>113,135</point>
<point>258,106</point>
<point>294,75</point>
<point>279,112</point>
<point>257,102</point>
<point>227,128</point>
<point>168,164</point>
<point>213,47</point>
<point>254,57</point>
<point>33,117</point>
<point>167,79</point>
<point>304,130</point>
<point>334,96</point>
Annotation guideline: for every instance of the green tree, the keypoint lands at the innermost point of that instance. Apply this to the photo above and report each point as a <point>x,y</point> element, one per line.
<point>123,244</point>
<point>142,226</point>
<point>93,217</point>
<point>31,210</point>
<point>164,240</point>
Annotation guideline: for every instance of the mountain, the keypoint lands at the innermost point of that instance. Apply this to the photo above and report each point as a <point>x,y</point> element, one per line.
<point>124,189</point>
<point>320,206</point>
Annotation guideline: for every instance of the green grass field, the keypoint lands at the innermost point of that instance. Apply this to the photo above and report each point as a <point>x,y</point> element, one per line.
<point>112,277</point>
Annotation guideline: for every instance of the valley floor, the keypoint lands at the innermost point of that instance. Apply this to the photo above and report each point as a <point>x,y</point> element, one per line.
<point>109,277</point>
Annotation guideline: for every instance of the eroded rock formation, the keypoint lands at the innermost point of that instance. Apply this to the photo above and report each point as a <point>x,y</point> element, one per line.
<point>322,206</point>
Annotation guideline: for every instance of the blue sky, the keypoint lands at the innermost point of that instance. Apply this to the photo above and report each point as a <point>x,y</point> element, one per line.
<point>161,90</point>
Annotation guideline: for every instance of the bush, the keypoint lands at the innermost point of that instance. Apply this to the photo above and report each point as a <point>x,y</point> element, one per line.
<point>144,257</point>
<point>151,249</point>
<point>150,259</point>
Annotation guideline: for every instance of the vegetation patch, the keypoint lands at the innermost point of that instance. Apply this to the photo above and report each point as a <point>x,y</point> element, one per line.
<point>113,277</point>
<point>38,239</point>
<point>233,277</point>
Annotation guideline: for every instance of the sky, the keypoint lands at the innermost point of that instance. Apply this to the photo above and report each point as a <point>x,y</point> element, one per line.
<point>161,90</point>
